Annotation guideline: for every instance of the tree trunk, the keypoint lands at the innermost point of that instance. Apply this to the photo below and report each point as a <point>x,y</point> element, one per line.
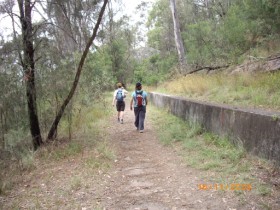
<point>53,129</point>
<point>178,37</point>
<point>2,128</point>
<point>25,8</point>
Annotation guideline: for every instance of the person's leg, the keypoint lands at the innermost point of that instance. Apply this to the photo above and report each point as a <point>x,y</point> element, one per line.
<point>122,112</point>
<point>136,113</point>
<point>142,115</point>
<point>121,117</point>
<point>119,114</point>
<point>118,110</point>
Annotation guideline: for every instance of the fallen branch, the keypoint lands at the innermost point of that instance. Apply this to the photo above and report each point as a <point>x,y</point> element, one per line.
<point>209,68</point>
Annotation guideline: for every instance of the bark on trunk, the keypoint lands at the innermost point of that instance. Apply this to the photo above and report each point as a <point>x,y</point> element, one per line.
<point>53,129</point>
<point>2,128</point>
<point>178,37</point>
<point>25,8</point>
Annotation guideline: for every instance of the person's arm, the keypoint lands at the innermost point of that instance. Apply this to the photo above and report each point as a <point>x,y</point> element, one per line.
<point>114,99</point>
<point>146,99</point>
<point>131,102</point>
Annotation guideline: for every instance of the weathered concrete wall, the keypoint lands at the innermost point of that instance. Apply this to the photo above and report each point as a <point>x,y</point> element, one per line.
<point>258,131</point>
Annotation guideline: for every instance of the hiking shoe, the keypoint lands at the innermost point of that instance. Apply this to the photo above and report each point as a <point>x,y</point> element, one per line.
<point>121,121</point>
<point>118,119</point>
<point>141,131</point>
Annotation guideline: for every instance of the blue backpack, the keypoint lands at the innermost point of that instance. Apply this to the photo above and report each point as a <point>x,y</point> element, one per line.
<point>119,95</point>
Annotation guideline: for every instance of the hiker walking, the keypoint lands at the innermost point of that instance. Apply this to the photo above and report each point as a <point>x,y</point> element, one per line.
<point>118,101</point>
<point>139,101</point>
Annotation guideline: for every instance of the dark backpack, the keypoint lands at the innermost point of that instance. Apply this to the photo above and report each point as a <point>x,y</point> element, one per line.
<point>139,98</point>
<point>119,95</point>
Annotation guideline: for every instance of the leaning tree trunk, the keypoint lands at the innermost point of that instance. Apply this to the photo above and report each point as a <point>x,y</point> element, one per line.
<point>178,37</point>
<point>53,129</point>
<point>25,8</point>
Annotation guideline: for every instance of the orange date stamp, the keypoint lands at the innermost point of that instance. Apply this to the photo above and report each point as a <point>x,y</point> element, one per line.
<point>232,187</point>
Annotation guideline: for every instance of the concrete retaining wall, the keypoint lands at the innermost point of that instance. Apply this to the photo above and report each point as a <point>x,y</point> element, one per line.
<point>258,131</point>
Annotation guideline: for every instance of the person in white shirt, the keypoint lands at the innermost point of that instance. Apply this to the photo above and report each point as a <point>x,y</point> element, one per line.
<point>118,101</point>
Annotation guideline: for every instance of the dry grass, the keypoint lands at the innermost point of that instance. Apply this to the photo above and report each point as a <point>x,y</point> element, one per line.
<point>244,90</point>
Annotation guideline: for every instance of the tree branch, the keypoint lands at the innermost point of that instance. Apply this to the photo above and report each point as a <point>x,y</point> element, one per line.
<point>209,68</point>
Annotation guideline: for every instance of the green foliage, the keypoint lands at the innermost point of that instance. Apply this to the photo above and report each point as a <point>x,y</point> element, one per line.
<point>235,31</point>
<point>222,32</point>
<point>159,14</point>
<point>153,70</point>
<point>200,40</point>
<point>155,37</point>
<point>13,113</point>
<point>97,75</point>
<point>264,11</point>
<point>16,138</point>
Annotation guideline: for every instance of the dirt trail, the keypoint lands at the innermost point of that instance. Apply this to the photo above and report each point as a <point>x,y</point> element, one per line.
<point>148,175</point>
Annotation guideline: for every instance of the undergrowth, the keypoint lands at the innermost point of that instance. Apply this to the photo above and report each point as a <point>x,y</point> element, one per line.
<point>82,132</point>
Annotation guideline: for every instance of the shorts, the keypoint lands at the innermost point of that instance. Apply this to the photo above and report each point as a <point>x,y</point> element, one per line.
<point>120,106</point>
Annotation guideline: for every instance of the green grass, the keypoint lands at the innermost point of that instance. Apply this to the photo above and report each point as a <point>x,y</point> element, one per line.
<point>263,189</point>
<point>208,152</point>
<point>75,183</point>
<point>69,149</point>
<point>102,157</point>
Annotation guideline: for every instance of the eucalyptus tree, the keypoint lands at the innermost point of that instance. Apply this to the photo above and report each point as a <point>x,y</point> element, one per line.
<point>28,64</point>
<point>177,34</point>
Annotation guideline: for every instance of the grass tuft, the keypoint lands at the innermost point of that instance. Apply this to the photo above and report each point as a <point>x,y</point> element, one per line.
<point>70,149</point>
